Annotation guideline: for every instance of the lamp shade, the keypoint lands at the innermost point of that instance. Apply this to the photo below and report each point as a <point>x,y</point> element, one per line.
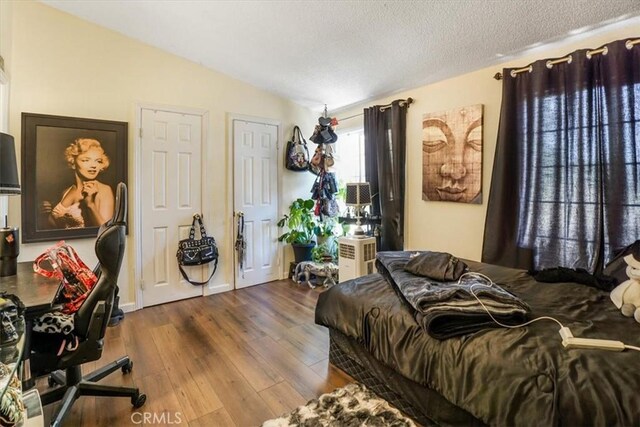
<point>9,182</point>
<point>358,194</point>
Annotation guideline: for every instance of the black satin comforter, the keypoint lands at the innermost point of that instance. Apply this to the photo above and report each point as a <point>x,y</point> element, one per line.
<point>504,377</point>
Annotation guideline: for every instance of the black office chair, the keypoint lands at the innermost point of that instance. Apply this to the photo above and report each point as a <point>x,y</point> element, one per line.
<point>90,326</point>
<point>117,314</point>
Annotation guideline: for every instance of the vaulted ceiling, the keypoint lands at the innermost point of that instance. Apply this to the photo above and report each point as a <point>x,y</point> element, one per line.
<point>344,52</point>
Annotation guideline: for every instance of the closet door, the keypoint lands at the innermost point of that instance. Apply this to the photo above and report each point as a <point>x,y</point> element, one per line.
<point>171,194</point>
<point>255,178</point>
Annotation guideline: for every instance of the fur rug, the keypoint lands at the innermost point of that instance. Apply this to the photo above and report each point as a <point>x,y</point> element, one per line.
<point>353,405</point>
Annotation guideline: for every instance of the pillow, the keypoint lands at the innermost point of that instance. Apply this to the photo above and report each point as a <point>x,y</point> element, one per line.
<point>440,266</point>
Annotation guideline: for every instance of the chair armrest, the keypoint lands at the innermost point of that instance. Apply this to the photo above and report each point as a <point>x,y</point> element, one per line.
<point>98,322</point>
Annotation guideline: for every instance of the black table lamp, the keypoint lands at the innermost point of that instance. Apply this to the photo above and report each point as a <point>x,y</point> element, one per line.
<point>9,184</point>
<point>358,196</point>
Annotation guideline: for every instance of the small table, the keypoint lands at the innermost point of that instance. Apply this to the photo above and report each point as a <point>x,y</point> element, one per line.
<point>37,294</point>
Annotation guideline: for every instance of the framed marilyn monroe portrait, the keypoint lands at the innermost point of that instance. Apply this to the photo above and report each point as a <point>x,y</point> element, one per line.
<point>70,169</point>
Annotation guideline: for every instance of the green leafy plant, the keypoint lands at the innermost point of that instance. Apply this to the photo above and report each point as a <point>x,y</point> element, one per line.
<point>299,222</point>
<point>327,231</point>
<point>327,228</point>
<point>325,252</point>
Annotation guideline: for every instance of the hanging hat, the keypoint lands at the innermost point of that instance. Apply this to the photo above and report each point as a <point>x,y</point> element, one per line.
<point>328,136</point>
<point>324,121</point>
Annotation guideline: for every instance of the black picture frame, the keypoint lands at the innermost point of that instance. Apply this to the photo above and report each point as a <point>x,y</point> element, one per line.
<point>47,174</point>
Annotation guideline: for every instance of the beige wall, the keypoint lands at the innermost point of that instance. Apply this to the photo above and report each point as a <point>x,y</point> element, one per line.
<point>5,31</point>
<point>61,65</point>
<point>64,66</point>
<point>455,227</point>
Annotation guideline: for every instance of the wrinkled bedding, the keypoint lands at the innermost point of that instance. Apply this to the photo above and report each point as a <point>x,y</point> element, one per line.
<point>503,377</point>
<point>449,309</point>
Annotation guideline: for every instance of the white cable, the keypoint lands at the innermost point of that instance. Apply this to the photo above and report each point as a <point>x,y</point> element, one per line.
<point>491,283</point>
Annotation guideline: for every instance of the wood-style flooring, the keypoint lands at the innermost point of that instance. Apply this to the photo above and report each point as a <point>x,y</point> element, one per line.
<point>233,359</point>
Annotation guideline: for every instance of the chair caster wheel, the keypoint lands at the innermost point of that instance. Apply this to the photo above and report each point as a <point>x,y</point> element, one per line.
<point>51,381</point>
<point>139,400</point>
<point>126,369</point>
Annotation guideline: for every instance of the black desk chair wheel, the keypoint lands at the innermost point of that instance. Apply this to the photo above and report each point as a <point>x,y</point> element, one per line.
<point>90,326</point>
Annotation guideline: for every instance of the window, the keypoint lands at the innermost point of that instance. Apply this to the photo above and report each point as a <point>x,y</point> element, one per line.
<point>349,166</point>
<point>583,172</point>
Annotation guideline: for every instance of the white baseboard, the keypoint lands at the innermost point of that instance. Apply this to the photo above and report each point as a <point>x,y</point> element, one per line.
<point>216,289</point>
<point>128,307</point>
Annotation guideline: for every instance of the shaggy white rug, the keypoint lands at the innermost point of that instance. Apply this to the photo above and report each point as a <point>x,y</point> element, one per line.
<point>352,405</point>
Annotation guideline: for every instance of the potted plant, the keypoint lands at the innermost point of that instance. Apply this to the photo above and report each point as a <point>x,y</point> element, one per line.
<point>300,224</point>
<point>326,232</point>
<point>325,252</point>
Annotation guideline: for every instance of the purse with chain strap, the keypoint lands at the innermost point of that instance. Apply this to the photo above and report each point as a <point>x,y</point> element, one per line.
<point>194,251</point>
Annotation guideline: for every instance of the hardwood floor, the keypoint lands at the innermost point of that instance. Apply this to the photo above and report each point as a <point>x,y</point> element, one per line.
<point>232,359</point>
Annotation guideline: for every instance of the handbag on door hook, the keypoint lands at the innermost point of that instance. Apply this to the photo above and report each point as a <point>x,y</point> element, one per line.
<point>194,251</point>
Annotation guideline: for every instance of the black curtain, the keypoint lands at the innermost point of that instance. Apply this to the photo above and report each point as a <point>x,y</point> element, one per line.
<point>565,184</point>
<point>384,151</point>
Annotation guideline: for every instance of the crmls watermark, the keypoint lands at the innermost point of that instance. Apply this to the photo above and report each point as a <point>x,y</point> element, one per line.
<point>154,418</point>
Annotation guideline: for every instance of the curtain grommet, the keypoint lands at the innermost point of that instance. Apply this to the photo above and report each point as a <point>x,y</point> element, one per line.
<point>517,71</point>
<point>549,64</point>
<point>628,45</point>
<point>603,51</point>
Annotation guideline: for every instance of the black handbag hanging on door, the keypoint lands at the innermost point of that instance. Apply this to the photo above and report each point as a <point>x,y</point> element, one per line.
<point>194,251</point>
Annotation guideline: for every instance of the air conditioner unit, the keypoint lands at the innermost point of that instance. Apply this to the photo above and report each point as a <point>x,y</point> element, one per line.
<point>356,257</point>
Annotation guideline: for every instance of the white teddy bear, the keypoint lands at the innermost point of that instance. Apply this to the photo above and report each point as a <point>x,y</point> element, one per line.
<point>626,296</point>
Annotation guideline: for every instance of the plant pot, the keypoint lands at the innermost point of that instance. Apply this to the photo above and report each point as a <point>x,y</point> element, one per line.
<point>327,258</point>
<point>322,239</point>
<point>302,251</point>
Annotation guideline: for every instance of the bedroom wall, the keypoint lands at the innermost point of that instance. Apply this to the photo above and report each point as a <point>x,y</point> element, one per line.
<point>5,32</point>
<point>455,227</point>
<point>65,66</point>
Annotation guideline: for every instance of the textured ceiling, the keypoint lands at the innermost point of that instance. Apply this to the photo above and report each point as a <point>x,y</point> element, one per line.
<point>343,52</point>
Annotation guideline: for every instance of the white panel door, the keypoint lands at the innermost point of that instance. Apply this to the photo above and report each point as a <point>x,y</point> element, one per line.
<point>171,193</point>
<point>256,194</point>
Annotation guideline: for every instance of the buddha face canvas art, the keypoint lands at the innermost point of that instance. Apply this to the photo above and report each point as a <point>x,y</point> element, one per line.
<point>452,155</point>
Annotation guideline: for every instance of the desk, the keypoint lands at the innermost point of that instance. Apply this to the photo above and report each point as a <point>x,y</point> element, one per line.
<point>36,293</point>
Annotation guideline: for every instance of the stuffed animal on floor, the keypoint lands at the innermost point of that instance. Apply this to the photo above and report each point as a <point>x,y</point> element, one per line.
<point>626,296</point>
<point>305,269</point>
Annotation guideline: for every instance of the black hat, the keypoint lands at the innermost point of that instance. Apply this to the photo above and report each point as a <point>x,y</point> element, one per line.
<point>324,121</point>
<point>328,136</point>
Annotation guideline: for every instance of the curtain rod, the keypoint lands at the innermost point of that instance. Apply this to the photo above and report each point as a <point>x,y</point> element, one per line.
<point>407,101</point>
<point>551,62</point>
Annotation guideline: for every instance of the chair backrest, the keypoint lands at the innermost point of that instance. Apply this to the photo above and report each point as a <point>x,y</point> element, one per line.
<point>109,247</point>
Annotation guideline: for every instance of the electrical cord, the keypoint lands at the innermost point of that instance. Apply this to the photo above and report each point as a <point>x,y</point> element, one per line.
<point>490,285</point>
<point>570,342</point>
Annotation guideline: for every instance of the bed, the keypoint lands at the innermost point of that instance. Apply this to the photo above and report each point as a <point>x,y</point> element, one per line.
<point>495,376</point>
